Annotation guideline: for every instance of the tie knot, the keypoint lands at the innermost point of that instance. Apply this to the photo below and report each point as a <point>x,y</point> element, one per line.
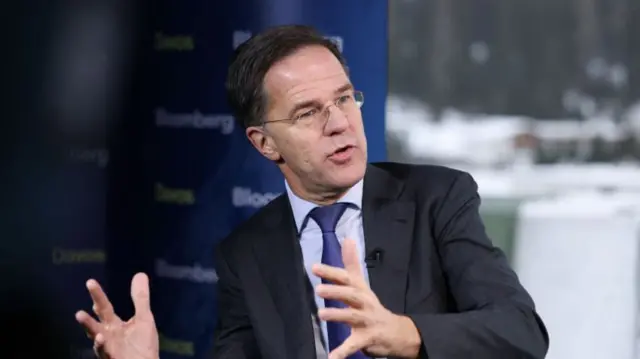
<point>327,216</point>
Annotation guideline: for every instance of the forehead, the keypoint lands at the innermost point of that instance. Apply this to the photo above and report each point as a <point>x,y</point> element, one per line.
<point>308,73</point>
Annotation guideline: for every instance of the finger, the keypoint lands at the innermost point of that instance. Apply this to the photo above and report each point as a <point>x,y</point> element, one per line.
<point>98,346</point>
<point>332,274</point>
<point>91,325</point>
<point>100,340</point>
<point>351,259</point>
<point>101,304</point>
<point>140,296</point>
<point>350,296</point>
<point>351,316</point>
<point>351,345</point>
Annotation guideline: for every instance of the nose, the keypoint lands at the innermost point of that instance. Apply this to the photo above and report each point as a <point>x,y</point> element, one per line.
<point>337,121</point>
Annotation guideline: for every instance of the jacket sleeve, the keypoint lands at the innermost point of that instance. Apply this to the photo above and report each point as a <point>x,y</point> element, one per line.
<point>233,337</point>
<point>495,316</point>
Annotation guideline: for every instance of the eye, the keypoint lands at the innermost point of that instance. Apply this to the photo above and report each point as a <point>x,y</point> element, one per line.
<point>345,99</point>
<point>306,114</point>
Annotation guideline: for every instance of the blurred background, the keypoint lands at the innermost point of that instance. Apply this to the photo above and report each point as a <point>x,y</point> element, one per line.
<point>540,102</point>
<point>119,153</point>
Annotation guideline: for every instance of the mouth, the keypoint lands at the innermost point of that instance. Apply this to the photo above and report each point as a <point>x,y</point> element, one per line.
<point>342,154</point>
<point>342,150</point>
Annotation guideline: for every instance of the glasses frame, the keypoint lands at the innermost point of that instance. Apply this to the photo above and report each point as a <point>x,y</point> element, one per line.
<point>358,97</point>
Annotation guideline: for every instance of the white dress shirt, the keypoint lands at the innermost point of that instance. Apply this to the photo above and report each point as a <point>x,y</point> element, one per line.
<point>310,235</point>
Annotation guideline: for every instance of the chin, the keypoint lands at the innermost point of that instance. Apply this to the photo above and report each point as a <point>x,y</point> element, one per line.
<point>349,175</point>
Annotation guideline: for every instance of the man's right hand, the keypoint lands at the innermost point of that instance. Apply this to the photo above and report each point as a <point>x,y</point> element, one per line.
<point>113,338</point>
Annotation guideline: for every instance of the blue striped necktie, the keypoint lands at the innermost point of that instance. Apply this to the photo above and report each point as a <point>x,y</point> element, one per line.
<point>327,218</point>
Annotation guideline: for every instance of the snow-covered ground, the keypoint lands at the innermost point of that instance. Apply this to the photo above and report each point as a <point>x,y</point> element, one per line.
<point>484,145</point>
<point>457,137</point>
<point>490,140</point>
<point>542,180</point>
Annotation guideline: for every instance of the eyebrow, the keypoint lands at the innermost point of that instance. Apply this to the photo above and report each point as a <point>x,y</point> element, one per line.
<point>344,88</point>
<point>312,103</point>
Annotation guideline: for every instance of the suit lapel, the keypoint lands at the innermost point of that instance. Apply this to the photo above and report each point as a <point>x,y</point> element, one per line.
<point>279,258</point>
<point>388,228</point>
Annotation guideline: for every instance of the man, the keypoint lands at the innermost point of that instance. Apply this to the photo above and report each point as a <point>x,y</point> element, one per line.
<point>355,260</point>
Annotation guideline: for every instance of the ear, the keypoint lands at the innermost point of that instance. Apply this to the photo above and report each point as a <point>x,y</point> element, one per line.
<point>263,142</point>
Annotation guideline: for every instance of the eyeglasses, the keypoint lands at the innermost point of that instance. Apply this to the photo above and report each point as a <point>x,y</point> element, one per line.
<point>320,116</point>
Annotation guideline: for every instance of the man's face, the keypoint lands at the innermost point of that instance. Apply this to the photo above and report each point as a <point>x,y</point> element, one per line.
<point>326,149</point>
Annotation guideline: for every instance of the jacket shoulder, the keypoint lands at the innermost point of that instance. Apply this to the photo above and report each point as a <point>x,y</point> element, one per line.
<point>251,228</point>
<point>424,177</point>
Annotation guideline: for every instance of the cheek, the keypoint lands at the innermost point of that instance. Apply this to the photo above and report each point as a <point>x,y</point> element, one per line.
<point>358,128</point>
<point>308,154</point>
<point>301,151</point>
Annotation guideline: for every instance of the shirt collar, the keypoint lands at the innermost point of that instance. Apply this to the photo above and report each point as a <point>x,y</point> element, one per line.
<point>301,207</point>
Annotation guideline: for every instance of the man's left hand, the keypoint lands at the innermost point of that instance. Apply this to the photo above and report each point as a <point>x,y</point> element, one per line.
<point>374,329</point>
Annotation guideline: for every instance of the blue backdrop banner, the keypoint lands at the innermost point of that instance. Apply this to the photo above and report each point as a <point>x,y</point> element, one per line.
<point>71,207</point>
<point>204,177</point>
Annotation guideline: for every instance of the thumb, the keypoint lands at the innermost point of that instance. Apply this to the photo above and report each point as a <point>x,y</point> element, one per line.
<point>140,295</point>
<point>351,345</point>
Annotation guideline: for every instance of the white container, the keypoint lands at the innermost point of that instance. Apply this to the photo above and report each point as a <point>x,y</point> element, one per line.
<point>577,254</point>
